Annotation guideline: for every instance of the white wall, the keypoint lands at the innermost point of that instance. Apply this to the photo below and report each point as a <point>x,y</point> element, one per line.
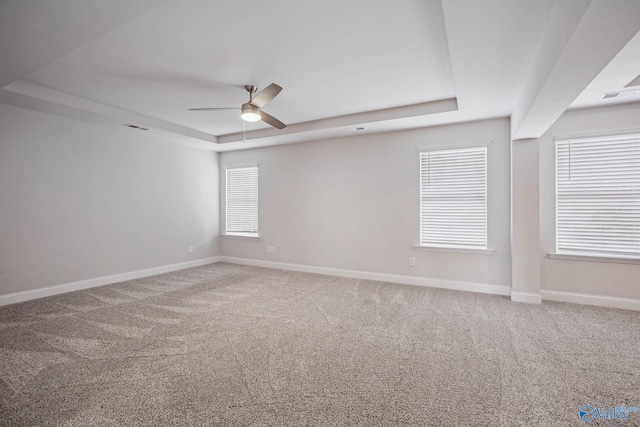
<point>352,203</point>
<point>619,280</point>
<point>80,201</point>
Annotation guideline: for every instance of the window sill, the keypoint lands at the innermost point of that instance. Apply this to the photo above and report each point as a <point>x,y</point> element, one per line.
<point>576,256</point>
<point>454,249</point>
<point>242,236</point>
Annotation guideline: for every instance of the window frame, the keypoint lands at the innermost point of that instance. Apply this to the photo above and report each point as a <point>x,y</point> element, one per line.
<point>474,249</point>
<point>237,234</point>
<point>578,254</point>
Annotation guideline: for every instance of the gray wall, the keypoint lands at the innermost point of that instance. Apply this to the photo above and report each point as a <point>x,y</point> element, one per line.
<point>352,203</point>
<point>80,201</point>
<point>525,220</point>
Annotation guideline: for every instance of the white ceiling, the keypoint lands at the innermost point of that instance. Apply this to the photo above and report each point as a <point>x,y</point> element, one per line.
<point>331,57</point>
<point>615,77</point>
<point>384,65</point>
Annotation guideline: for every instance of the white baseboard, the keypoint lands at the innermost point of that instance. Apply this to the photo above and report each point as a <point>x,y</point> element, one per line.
<point>526,297</point>
<point>589,299</point>
<point>100,281</point>
<point>383,277</point>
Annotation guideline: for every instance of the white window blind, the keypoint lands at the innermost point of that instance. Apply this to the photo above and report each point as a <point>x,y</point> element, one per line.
<point>453,198</point>
<point>598,195</point>
<point>242,201</point>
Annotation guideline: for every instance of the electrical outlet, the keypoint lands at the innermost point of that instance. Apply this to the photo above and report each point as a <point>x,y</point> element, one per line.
<point>190,249</point>
<point>412,261</point>
<point>271,249</point>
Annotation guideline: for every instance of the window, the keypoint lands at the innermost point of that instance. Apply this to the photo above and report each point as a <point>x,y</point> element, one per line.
<point>598,195</point>
<point>242,202</point>
<point>453,198</point>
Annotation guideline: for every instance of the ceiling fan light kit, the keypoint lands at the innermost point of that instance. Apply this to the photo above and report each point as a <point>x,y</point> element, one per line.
<point>251,111</point>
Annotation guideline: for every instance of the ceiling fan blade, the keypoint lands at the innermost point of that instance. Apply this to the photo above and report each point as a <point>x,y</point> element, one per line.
<point>269,119</point>
<point>212,109</point>
<point>267,94</point>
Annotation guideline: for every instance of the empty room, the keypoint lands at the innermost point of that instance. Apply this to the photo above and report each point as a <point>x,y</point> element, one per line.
<point>330,213</point>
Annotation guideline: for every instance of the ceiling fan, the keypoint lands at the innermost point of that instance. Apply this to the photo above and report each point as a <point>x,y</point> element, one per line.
<point>252,110</point>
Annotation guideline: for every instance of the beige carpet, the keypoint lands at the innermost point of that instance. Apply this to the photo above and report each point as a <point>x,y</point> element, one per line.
<point>232,345</point>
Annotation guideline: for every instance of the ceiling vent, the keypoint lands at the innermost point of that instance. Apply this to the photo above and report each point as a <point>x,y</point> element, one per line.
<point>620,94</point>
<point>129,125</point>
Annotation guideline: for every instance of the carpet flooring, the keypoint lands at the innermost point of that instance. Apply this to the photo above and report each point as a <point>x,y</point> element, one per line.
<point>234,345</point>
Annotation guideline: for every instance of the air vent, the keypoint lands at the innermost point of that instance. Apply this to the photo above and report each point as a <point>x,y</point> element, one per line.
<point>129,125</point>
<point>621,94</point>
